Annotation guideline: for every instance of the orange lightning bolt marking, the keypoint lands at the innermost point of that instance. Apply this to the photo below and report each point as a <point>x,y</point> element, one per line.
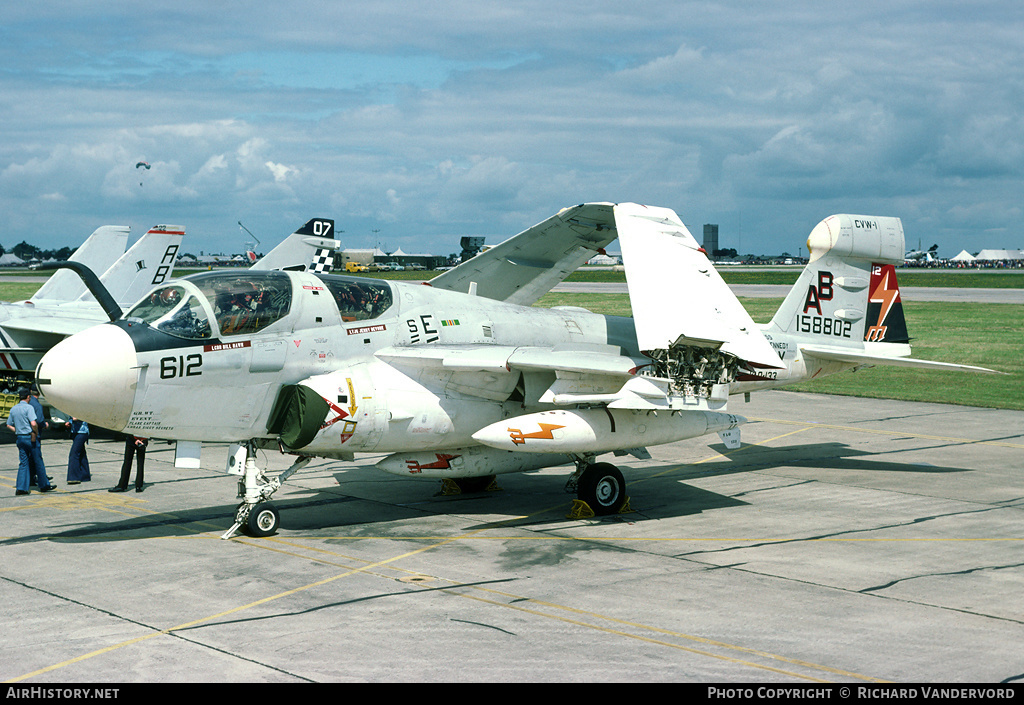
<point>518,437</point>
<point>885,296</point>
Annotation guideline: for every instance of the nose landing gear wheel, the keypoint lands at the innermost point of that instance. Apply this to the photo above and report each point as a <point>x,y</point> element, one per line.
<point>263,520</point>
<point>603,488</point>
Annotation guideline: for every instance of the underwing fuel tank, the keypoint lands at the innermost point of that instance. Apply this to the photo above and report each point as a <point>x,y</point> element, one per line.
<point>474,461</point>
<point>601,429</point>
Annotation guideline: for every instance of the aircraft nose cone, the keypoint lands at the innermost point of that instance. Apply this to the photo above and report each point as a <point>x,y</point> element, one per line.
<point>92,375</point>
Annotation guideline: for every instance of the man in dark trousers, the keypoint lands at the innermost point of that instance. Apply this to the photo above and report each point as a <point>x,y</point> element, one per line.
<point>37,446</point>
<point>133,446</point>
<point>78,461</point>
<point>22,422</point>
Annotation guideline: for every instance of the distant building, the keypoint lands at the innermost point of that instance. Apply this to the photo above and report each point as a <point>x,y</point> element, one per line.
<point>406,259</point>
<point>710,238</point>
<point>359,256</point>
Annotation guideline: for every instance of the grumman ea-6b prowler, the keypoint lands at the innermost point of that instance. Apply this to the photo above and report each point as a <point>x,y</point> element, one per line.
<point>462,379</point>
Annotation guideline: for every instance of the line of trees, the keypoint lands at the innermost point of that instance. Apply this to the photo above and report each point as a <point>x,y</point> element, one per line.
<point>29,252</point>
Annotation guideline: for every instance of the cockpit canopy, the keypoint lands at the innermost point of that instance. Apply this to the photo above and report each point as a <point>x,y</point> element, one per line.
<point>247,302</point>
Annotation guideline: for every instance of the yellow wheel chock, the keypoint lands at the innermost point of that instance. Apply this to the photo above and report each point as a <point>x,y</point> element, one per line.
<point>449,487</point>
<point>582,510</point>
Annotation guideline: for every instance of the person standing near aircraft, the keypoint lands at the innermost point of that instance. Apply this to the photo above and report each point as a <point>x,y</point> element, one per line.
<point>38,466</point>
<point>133,446</point>
<point>22,421</point>
<point>78,462</point>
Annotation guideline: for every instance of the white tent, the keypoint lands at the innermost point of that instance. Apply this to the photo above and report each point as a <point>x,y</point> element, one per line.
<point>1000,254</point>
<point>964,256</point>
<point>10,259</point>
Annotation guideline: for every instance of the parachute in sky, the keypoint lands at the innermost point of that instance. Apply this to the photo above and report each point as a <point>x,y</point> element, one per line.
<point>142,164</point>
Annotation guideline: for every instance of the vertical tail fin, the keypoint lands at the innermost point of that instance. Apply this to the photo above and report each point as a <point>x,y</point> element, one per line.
<point>310,248</point>
<point>98,252</point>
<point>847,294</point>
<point>845,309</point>
<point>150,261</point>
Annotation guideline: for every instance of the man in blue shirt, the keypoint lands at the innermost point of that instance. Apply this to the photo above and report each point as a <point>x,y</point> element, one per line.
<point>42,424</point>
<point>23,422</point>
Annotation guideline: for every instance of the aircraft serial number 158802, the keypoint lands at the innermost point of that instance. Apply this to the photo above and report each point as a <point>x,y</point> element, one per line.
<point>463,379</point>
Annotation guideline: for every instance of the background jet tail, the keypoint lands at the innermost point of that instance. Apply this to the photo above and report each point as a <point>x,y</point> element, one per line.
<point>99,251</point>
<point>150,261</point>
<point>310,248</point>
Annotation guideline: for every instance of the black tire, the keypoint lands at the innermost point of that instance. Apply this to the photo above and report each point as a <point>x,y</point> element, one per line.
<point>468,485</point>
<point>264,520</point>
<point>603,488</point>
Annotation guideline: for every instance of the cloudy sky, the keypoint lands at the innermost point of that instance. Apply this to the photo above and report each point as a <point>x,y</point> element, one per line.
<point>415,123</point>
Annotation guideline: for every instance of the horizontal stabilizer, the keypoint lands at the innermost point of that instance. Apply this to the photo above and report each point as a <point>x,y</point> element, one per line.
<point>864,358</point>
<point>63,326</point>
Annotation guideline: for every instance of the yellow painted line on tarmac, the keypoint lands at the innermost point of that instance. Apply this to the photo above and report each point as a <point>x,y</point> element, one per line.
<point>369,568</point>
<point>234,610</point>
<point>106,502</point>
<point>717,456</point>
<point>455,587</point>
<point>649,539</point>
<point>889,432</point>
<point>437,542</point>
<point>668,632</point>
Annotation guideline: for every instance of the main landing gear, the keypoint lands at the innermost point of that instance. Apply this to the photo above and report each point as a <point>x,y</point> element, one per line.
<point>600,489</point>
<point>256,515</point>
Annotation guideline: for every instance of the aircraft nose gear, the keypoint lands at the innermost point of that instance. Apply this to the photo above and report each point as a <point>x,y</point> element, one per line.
<point>256,514</point>
<point>261,519</point>
<point>600,489</point>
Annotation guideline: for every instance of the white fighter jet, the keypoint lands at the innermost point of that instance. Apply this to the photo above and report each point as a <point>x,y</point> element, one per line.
<point>63,305</point>
<point>71,301</point>
<point>463,379</point>
<point>919,255</point>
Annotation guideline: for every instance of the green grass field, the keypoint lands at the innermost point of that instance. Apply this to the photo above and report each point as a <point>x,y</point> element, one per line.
<point>17,290</point>
<point>986,335</point>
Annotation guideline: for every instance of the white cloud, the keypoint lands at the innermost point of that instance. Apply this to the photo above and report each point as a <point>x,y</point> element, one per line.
<point>280,171</point>
<point>484,119</point>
